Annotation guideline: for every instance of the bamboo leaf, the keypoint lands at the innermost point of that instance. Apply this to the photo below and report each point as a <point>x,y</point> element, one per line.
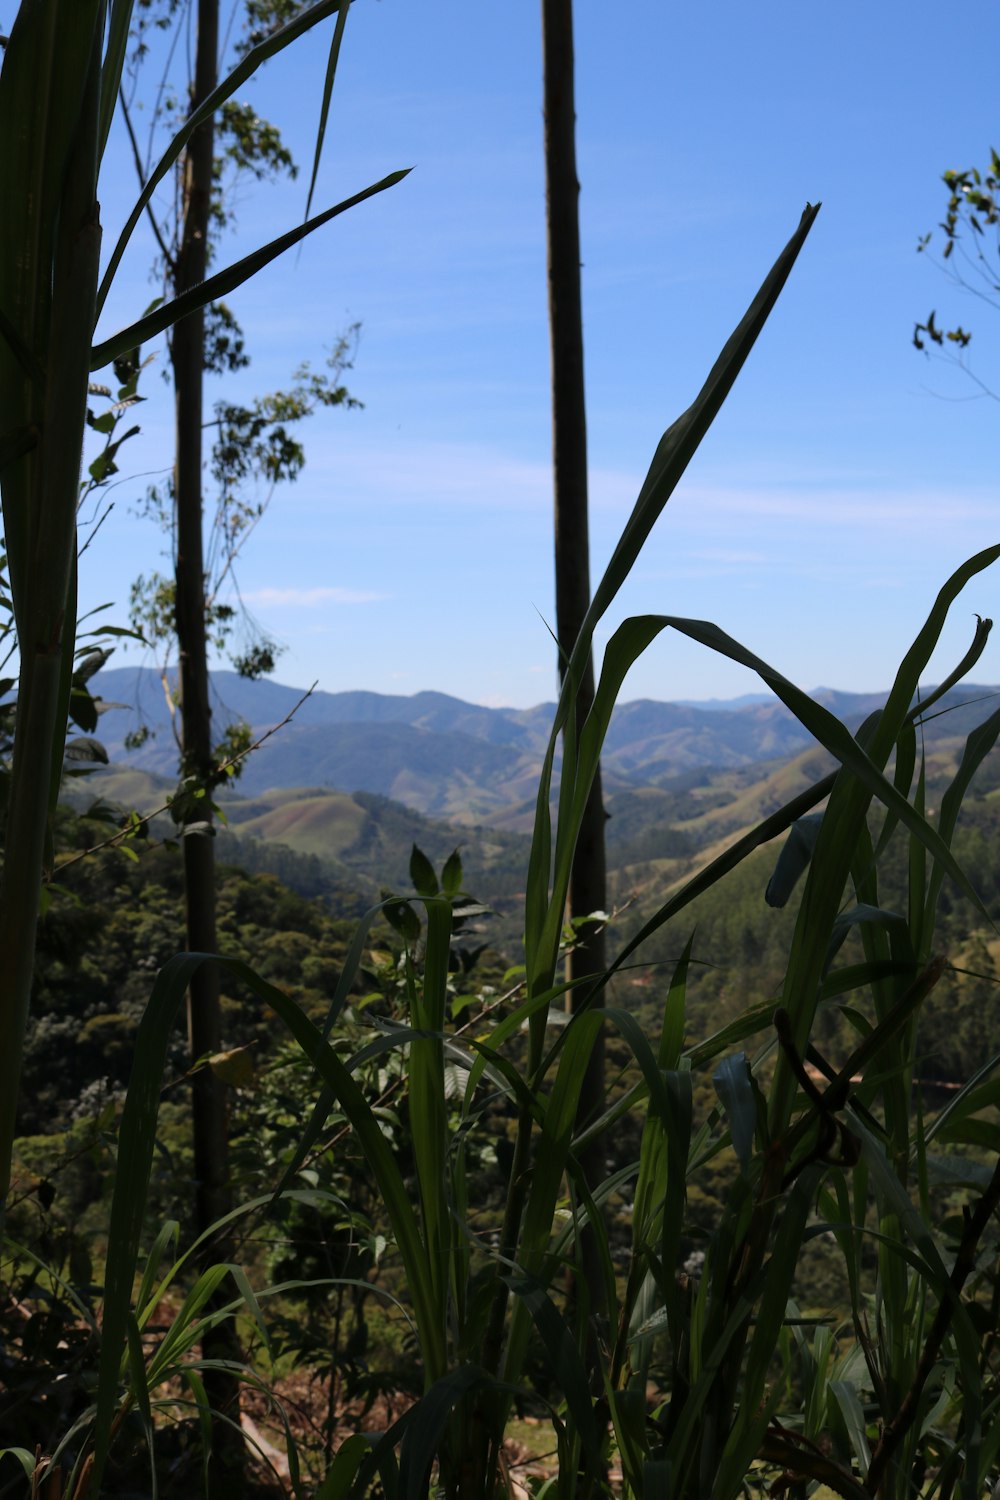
<point>244,70</point>
<point>223,282</point>
<point>119,23</point>
<point>331,73</point>
<point>796,852</point>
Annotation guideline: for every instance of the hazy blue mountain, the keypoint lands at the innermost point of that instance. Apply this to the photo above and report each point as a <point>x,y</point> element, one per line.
<point>461,761</point>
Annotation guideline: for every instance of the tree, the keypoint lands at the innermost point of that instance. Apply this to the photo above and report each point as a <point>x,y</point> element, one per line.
<point>970,256</point>
<point>251,443</point>
<point>588,887</point>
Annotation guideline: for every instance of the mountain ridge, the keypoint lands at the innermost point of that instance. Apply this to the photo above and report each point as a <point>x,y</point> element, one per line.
<point>465,762</point>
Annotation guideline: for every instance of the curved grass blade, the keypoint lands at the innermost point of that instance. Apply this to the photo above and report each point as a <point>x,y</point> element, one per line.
<point>331,73</point>
<point>738,1095</point>
<point>972,1097</point>
<point>796,852</point>
<point>673,454</point>
<point>23,1457</point>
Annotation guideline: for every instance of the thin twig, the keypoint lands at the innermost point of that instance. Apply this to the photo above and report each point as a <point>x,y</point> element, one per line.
<point>221,769</point>
<point>137,157</point>
<point>97,526</point>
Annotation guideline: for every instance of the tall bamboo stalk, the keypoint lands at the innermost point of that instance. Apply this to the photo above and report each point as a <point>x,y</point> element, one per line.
<point>588,882</point>
<point>209,1125</point>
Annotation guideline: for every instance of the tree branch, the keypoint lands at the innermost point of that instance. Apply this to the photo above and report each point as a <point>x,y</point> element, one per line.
<point>137,158</point>
<point>124,833</point>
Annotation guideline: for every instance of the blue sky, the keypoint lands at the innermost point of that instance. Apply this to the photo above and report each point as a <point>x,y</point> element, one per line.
<point>844,480</point>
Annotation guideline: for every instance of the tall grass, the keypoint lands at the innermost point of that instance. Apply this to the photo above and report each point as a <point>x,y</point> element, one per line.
<point>742,1386</point>
<point>909,1400</point>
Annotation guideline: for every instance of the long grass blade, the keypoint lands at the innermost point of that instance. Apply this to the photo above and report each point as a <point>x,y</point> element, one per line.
<point>119,23</point>
<point>243,71</point>
<point>223,282</point>
<point>136,1139</point>
<point>324,113</point>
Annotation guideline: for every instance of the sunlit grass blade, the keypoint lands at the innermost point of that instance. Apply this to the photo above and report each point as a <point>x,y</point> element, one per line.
<point>835,737</point>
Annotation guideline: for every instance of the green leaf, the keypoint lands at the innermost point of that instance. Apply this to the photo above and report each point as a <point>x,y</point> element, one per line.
<point>425,882</point>
<point>24,1458</point>
<point>852,1411</point>
<point>245,69</point>
<point>796,852</point>
<point>733,1082</point>
<point>234,1068</point>
<point>347,1461</point>
<point>403,919</point>
<point>451,875</point>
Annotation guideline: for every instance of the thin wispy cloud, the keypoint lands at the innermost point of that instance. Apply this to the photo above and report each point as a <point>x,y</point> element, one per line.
<point>823,505</point>
<point>311,598</point>
<point>446,475</point>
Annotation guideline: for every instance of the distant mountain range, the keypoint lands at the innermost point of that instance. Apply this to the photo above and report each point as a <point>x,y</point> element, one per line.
<point>466,763</point>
